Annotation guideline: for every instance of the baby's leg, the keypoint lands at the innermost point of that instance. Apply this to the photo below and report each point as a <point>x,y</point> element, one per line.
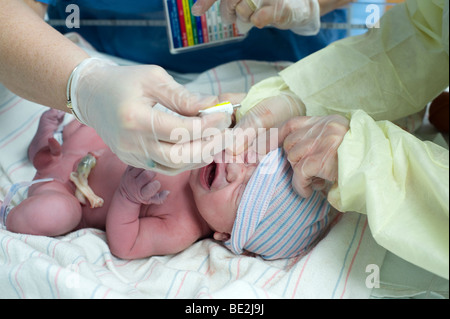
<point>48,124</point>
<point>50,211</point>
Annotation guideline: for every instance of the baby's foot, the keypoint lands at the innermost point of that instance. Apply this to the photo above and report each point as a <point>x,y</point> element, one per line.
<point>138,186</point>
<point>48,124</point>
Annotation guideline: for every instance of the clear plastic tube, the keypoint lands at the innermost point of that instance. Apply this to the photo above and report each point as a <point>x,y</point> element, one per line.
<point>226,107</point>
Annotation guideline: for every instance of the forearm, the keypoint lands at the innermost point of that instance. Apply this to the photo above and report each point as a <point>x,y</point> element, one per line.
<point>327,6</point>
<point>38,7</point>
<point>36,59</point>
<point>122,225</point>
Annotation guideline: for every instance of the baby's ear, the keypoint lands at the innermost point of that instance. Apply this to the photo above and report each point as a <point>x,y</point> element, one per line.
<point>221,236</point>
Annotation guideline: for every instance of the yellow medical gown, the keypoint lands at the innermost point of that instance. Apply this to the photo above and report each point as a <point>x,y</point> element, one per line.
<point>400,182</point>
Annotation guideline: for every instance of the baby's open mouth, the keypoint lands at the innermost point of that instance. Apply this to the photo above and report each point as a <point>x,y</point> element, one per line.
<point>213,176</point>
<point>210,174</point>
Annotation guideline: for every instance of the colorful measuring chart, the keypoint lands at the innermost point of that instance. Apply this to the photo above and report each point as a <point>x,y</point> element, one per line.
<point>187,32</point>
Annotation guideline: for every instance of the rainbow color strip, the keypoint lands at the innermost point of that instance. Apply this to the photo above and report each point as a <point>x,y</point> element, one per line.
<point>188,31</point>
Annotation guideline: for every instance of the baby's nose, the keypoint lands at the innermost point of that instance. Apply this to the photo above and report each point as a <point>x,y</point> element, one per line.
<point>233,172</point>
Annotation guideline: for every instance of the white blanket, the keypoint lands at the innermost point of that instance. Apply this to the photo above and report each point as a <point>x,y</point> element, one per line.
<point>80,265</point>
<point>345,264</point>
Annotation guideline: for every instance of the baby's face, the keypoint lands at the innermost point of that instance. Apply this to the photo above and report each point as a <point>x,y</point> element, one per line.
<point>218,189</point>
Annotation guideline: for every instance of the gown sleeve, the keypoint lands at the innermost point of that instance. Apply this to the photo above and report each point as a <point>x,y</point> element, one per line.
<point>399,181</point>
<point>402,184</point>
<point>390,72</point>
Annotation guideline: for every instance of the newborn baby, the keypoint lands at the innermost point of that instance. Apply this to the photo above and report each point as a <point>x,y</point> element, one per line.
<point>251,207</point>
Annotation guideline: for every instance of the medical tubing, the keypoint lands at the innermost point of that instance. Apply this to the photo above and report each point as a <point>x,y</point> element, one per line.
<point>4,209</point>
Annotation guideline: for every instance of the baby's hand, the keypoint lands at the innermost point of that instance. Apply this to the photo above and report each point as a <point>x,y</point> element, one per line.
<point>138,186</point>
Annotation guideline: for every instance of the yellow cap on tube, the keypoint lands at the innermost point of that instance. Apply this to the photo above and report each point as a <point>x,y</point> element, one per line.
<point>226,107</point>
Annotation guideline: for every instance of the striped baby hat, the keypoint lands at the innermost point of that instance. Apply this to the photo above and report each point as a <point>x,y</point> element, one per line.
<point>272,220</point>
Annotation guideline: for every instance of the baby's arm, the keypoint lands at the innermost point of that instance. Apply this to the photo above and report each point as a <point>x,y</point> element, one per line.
<point>149,236</point>
<point>131,236</point>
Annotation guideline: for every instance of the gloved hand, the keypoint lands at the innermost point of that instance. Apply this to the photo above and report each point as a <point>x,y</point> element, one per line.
<point>300,16</point>
<point>311,145</point>
<point>118,102</point>
<point>269,113</point>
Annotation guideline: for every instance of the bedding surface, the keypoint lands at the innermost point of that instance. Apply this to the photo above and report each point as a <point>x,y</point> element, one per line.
<point>345,264</point>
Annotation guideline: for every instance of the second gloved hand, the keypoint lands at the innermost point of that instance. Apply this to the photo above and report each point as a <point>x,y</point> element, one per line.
<point>300,16</point>
<point>311,145</point>
<point>267,105</point>
<point>269,113</point>
<point>118,102</point>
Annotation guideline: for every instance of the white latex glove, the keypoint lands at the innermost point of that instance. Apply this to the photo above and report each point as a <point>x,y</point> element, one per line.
<point>269,113</point>
<point>311,145</point>
<point>300,16</point>
<point>118,102</point>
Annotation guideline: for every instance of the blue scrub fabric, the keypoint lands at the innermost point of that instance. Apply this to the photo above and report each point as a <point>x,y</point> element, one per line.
<point>150,44</point>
